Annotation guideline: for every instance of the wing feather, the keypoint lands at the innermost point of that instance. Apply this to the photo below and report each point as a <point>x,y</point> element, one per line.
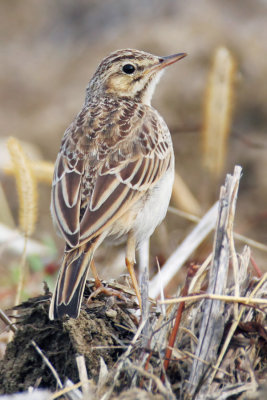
<point>132,163</point>
<point>105,185</point>
<point>136,179</point>
<point>95,222</point>
<point>66,199</point>
<point>70,187</point>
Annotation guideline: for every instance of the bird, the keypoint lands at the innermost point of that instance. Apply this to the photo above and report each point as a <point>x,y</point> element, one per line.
<point>114,172</point>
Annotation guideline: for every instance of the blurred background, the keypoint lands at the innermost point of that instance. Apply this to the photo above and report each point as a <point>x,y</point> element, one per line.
<point>49,51</point>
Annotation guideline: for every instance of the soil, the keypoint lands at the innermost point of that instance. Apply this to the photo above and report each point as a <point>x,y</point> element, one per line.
<point>108,324</point>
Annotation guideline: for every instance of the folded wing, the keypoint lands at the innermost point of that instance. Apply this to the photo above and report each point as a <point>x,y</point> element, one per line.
<point>127,171</point>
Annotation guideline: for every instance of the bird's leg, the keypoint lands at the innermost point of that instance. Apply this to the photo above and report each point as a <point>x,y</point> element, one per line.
<point>100,288</point>
<point>130,261</point>
<point>98,282</point>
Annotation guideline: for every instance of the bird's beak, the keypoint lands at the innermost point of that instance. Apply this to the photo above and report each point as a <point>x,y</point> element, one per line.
<point>165,61</point>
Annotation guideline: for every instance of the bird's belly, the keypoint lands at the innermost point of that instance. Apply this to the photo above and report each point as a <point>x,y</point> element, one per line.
<point>146,214</point>
<point>154,209</point>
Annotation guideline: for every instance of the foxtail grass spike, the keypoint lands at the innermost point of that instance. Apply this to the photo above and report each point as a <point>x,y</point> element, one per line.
<point>218,111</point>
<point>42,171</point>
<point>26,187</point>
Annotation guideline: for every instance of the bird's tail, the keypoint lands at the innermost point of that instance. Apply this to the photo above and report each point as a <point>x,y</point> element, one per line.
<point>71,280</point>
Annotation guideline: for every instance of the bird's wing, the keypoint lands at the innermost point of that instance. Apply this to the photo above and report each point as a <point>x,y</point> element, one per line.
<point>66,196</point>
<point>127,160</point>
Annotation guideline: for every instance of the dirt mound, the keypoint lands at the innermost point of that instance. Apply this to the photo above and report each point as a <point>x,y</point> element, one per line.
<point>102,330</point>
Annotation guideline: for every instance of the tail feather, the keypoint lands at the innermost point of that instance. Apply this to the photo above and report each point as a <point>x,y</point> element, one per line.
<point>70,284</point>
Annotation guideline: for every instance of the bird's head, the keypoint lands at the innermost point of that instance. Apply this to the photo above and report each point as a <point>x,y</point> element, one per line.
<point>130,73</point>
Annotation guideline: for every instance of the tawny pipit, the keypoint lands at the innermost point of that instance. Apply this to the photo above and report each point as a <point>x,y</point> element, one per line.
<point>114,172</point>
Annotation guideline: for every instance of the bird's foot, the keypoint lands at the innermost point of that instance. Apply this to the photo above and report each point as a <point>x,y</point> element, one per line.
<point>101,289</point>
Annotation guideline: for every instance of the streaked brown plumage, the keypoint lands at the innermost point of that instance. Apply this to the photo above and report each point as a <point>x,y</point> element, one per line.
<point>114,172</point>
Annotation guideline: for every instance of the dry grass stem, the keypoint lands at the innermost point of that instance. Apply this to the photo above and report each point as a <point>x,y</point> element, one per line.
<point>197,280</point>
<point>70,391</point>
<point>163,308</point>
<point>250,242</point>
<point>48,363</point>
<point>242,238</point>
<point>212,325</point>
<point>7,321</point>
<point>143,254</point>
<point>103,375</point>
<point>183,214</point>
<point>22,273</point>
<point>88,392</point>
<point>14,241</point>
<point>183,198</point>
<point>181,254</point>
<point>227,299</point>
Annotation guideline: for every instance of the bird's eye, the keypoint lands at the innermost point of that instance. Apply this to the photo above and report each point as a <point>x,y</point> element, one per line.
<point>128,69</point>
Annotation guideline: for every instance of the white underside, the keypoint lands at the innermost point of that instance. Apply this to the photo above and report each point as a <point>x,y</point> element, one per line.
<point>155,208</point>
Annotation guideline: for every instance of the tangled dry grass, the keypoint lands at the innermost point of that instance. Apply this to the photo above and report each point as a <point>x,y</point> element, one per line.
<point>208,343</point>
